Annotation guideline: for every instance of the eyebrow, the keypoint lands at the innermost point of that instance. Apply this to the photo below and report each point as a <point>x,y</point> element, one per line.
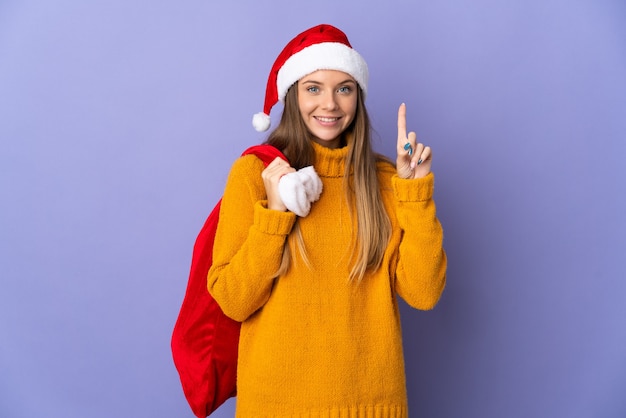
<point>319,82</point>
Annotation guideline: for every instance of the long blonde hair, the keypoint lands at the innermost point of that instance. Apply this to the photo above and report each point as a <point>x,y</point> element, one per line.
<point>362,189</point>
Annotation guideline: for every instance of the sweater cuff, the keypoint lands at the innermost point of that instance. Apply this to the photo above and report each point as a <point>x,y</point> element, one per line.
<point>271,221</point>
<point>414,190</point>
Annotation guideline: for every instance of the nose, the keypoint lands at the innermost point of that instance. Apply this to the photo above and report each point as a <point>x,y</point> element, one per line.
<point>330,102</point>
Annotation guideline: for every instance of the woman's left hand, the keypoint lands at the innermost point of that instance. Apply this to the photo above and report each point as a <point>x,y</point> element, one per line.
<point>414,159</point>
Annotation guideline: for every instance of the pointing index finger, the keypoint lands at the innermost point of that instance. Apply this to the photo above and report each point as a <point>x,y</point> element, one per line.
<point>402,124</point>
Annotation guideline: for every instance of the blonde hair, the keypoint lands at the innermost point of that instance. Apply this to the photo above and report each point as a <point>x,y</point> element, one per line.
<point>362,189</point>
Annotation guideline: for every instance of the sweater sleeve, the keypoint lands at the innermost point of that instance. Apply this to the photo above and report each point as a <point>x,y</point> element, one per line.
<point>421,268</point>
<point>248,244</point>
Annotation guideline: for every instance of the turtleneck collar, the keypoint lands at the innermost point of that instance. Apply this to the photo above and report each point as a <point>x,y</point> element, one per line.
<point>329,162</point>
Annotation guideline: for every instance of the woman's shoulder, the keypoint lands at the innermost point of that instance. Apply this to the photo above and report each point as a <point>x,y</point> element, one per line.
<point>245,173</point>
<point>385,166</point>
<point>386,170</point>
<point>249,163</point>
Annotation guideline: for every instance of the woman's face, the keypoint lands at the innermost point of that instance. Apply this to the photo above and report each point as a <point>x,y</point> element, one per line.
<point>327,100</point>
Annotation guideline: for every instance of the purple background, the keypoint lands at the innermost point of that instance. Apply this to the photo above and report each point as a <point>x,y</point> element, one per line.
<point>120,119</point>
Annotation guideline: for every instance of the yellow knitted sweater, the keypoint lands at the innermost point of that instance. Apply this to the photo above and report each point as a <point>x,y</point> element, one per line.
<point>314,344</point>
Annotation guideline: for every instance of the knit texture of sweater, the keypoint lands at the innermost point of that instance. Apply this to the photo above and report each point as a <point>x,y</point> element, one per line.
<point>313,343</point>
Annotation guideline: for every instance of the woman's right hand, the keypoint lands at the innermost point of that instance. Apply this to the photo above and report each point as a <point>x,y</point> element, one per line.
<point>271,176</point>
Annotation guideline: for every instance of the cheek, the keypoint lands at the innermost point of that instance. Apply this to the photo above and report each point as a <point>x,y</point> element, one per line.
<point>304,106</point>
<point>350,109</point>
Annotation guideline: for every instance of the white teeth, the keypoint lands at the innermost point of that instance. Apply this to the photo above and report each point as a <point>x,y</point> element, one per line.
<point>321,119</point>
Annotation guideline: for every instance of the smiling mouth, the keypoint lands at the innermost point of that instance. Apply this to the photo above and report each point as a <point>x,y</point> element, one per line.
<point>326,120</point>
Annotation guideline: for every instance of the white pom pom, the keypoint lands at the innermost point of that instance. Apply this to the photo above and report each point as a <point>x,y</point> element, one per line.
<point>299,189</point>
<point>261,122</point>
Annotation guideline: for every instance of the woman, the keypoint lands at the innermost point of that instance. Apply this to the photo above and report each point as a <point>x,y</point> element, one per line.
<point>316,293</point>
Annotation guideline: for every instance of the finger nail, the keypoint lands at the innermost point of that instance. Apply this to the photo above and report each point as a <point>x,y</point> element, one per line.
<point>409,148</point>
<point>419,161</point>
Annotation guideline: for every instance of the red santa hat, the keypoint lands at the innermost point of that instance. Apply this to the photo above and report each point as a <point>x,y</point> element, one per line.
<point>322,47</point>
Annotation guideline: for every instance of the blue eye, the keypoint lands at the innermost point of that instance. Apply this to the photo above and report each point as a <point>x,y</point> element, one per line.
<point>313,89</point>
<point>344,89</point>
